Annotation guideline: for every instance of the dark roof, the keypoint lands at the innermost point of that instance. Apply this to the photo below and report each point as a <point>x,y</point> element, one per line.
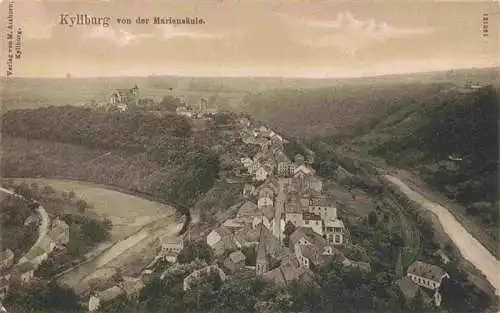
<point>311,216</point>
<point>426,270</point>
<point>247,208</point>
<point>309,234</point>
<point>223,231</point>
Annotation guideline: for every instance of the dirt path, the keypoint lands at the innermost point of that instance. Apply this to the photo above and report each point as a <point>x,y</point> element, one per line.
<point>470,248</point>
<point>44,224</point>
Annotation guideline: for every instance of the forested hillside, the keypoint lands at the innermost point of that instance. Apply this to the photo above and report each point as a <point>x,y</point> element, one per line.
<point>165,156</point>
<point>452,141</point>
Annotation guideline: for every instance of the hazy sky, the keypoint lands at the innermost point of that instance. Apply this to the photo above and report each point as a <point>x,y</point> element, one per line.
<point>299,38</point>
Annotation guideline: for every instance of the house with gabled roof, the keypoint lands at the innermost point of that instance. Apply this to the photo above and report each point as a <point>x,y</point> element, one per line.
<point>170,247</point>
<point>123,98</point>
<point>265,201</point>
<point>222,239</point>
<point>262,172</point>
<point>262,218</point>
<point>59,232</point>
<point>286,273</point>
<point>247,208</point>
<point>410,290</point>
<point>319,205</point>
<point>310,248</point>
<point>335,231</point>
<point>426,275</point>
<point>235,261</point>
<point>248,190</point>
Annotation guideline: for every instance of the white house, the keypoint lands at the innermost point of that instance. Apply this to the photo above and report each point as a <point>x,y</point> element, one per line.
<point>426,275</point>
<point>266,192</point>
<point>261,219</point>
<point>326,210</point>
<point>170,248</point>
<point>264,201</point>
<point>261,173</point>
<point>295,218</point>
<point>59,233</point>
<point>248,190</point>
<point>247,162</point>
<point>309,247</point>
<point>286,168</point>
<point>312,221</point>
<point>334,229</point>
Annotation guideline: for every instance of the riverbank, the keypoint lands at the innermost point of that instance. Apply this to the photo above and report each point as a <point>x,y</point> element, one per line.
<point>470,248</point>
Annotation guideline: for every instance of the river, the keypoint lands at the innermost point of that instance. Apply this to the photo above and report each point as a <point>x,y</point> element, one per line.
<point>470,248</point>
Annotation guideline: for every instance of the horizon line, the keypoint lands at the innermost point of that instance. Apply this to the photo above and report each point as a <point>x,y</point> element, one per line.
<point>6,78</point>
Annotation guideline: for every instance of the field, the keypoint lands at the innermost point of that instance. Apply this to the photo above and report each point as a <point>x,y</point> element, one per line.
<point>137,223</point>
<point>127,213</point>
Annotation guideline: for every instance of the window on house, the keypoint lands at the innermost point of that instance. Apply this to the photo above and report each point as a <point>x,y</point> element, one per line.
<point>307,222</point>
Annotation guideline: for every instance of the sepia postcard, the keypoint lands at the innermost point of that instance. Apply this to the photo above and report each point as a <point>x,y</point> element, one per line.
<point>240,156</point>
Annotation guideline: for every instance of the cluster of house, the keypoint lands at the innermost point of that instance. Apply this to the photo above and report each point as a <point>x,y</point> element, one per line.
<point>284,193</point>
<point>23,271</point>
<point>194,111</point>
<point>122,99</point>
<point>105,289</point>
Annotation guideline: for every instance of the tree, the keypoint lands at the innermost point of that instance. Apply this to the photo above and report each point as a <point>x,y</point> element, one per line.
<point>47,269</point>
<point>222,118</point>
<point>289,228</point>
<point>169,103</point>
<point>250,255</point>
<point>81,206</point>
<point>372,218</point>
<point>195,250</point>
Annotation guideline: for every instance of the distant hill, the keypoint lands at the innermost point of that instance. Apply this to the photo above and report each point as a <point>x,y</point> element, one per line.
<point>451,140</point>
<point>348,104</point>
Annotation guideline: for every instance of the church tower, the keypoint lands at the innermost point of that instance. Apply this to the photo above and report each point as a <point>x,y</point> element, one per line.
<point>261,264</point>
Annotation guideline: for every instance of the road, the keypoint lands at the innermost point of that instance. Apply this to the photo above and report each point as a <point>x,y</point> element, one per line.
<point>470,248</point>
<point>44,224</point>
<point>119,253</point>
<point>278,208</point>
